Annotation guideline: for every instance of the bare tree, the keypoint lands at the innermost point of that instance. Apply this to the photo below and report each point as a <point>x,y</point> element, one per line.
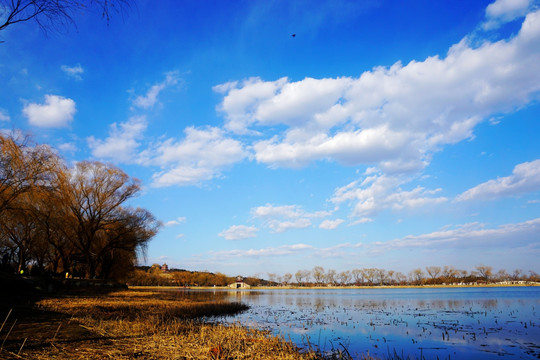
<point>299,277</point>
<point>318,274</point>
<point>400,278</point>
<point>417,275</point>
<point>344,277</point>
<point>59,220</point>
<point>287,278</point>
<point>370,275</point>
<point>123,240</point>
<point>23,167</point>
<point>302,276</point>
<point>94,195</point>
<point>19,232</point>
<point>433,271</point>
<point>381,276</point>
<point>55,14</point>
<point>358,275</point>
<point>390,276</point>
<point>331,276</point>
<point>485,271</point>
<point>449,273</point>
<point>502,275</point>
<point>517,274</point>
<point>272,277</point>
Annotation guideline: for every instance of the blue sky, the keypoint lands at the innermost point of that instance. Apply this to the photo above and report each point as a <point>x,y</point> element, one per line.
<point>383,134</point>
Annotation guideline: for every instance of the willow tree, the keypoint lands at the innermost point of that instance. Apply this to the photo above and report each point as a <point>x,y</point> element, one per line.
<point>123,239</point>
<point>95,195</point>
<point>27,171</point>
<point>23,168</point>
<point>19,234</point>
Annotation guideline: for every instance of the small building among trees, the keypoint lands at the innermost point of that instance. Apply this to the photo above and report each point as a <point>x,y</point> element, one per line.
<point>239,283</point>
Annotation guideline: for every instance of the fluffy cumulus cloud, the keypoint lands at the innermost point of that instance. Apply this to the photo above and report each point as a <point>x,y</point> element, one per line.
<point>243,98</point>
<point>286,217</point>
<point>200,156</point>
<point>239,232</point>
<point>502,11</point>
<point>122,142</point>
<point>56,111</point>
<point>393,117</point>
<point>73,71</point>
<point>151,97</point>
<point>524,179</point>
<point>377,192</point>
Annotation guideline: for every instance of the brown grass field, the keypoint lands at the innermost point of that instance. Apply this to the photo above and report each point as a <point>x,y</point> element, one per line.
<point>135,324</point>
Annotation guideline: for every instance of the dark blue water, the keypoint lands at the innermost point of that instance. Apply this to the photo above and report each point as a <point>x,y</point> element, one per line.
<point>430,323</point>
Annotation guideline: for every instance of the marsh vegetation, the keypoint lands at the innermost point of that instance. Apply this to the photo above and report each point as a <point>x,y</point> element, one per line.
<point>138,325</point>
<point>401,323</point>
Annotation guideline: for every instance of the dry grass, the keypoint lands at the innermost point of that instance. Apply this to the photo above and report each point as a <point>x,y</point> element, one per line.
<point>147,325</point>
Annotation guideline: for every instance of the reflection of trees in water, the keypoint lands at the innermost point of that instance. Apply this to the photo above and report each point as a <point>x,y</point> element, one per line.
<point>489,304</point>
<point>404,321</point>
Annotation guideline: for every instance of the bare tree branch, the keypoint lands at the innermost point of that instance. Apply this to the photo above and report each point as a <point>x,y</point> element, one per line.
<point>51,15</point>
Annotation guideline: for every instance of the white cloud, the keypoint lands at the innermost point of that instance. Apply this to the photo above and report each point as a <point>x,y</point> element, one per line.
<point>525,178</point>
<point>502,11</point>
<point>337,251</point>
<point>377,192</point>
<point>151,97</point>
<point>276,251</point>
<point>243,98</point>
<point>177,221</point>
<point>393,117</point>
<point>57,111</point>
<point>68,147</point>
<point>459,237</point>
<point>331,224</point>
<point>200,156</point>
<point>470,235</point>
<point>281,226</point>
<point>4,116</point>
<point>285,211</point>
<point>286,217</point>
<point>122,142</point>
<point>239,232</point>
<point>73,71</point>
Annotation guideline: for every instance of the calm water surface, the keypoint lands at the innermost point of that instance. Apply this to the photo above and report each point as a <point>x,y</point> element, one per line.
<point>444,323</point>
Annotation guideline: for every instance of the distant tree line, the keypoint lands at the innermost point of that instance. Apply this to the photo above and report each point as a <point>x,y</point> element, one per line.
<point>318,276</point>
<point>58,220</point>
<point>431,275</point>
<point>154,276</point>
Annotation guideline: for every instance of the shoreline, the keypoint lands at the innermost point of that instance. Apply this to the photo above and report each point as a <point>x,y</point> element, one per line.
<point>291,287</point>
<point>130,324</point>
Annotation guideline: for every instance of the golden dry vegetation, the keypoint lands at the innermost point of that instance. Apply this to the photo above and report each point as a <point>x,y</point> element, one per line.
<point>139,325</point>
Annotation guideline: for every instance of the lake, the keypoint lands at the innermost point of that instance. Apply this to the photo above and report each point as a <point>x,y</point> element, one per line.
<point>444,323</point>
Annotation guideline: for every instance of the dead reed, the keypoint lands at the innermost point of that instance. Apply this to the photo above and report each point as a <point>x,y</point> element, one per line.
<point>151,325</point>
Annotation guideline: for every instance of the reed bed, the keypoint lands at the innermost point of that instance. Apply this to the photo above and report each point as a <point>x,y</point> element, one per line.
<point>148,325</point>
